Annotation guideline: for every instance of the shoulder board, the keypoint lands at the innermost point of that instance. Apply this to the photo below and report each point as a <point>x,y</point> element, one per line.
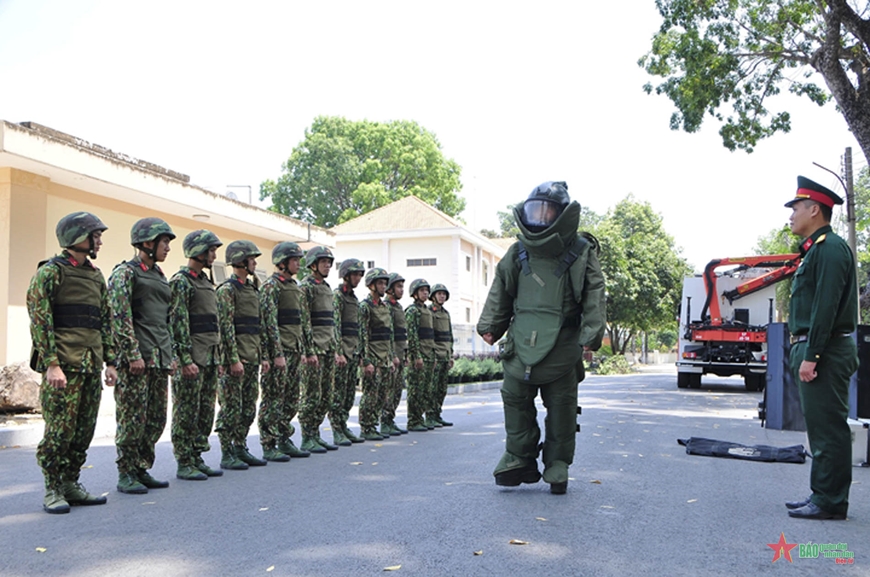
<point>821,239</point>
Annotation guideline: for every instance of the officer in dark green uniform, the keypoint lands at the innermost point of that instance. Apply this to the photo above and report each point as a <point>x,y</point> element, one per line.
<point>141,299</point>
<point>822,315</point>
<point>241,328</point>
<point>285,319</point>
<point>377,351</point>
<point>548,296</point>
<point>196,340</point>
<point>70,323</point>
<point>346,305</point>
<point>395,292</point>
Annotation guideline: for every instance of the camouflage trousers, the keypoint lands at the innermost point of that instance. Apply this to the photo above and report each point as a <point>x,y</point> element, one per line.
<point>344,393</point>
<point>70,416</point>
<point>193,402</point>
<point>279,401</point>
<point>394,385</point>
<point>374,397</point>
<point>419,392</point>
<point>316,394</point>
<point>438,386</point>
<point>238,405</point>
<point>140,416</point>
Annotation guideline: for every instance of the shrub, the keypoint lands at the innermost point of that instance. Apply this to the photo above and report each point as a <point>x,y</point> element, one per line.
<point>615,365</point>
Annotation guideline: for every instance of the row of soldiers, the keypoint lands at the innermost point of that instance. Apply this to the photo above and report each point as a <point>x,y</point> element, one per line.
<point>299,347</point>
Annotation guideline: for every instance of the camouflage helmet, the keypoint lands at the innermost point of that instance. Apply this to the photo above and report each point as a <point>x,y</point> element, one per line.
<point>438,287</point>
<point>316,253</point>
<point>77,227</point>
<point>376,274</point>
<point>394,278</point>
<point>239,250</point>
<point>285,250</point>
<point>149,228</point>
<point>350,265</point>
<point>417,284</point>
<point>198,242</point>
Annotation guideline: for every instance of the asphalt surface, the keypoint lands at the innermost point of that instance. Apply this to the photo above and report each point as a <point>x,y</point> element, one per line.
<point>636,504</point>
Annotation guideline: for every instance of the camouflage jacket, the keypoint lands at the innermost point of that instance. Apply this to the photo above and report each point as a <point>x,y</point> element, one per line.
<point>182,294</point>
<point>40,299</point>
<point>365,325</point>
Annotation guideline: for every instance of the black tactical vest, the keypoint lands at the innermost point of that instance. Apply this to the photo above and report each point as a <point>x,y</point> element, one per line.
<point>76,313</point>
<point>349,322</point>
<point>152,297</point>
<point>203,320</point>
<point>289,314</point>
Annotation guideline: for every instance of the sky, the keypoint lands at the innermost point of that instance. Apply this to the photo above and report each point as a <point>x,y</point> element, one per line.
<point>517,94</point>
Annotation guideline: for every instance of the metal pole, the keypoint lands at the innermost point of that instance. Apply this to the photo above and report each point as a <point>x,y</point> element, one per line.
<point>850,201</point>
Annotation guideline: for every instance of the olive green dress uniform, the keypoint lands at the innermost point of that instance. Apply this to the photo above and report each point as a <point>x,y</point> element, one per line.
<point>141,298</point>
<point>548,317</point>
<point>70,325</point>
<point>396,382</point>
<point>376,346</point>
<point>346,317</point>
<point>824,310</point>
<point>318,382</point>
<point>196,339</point>
<point>443,329</point>
<point>285,313</point>
<point>421,345</point>
<point>241,336</point>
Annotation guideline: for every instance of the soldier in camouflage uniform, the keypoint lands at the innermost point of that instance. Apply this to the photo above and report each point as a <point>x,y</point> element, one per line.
<point>285,317</point>
<point>321,349</point>
<point>196,340</point>
<point>421,355</point>
<point>395,292</point>
<point>377,350</point>
<point>346,317</point>
<point>141,299</point>
<point>70,324</point>
<point>241,327</point>
<point>443,353</point>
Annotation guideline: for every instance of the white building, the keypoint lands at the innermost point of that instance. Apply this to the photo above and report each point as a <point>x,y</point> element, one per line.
<point>416,240</point>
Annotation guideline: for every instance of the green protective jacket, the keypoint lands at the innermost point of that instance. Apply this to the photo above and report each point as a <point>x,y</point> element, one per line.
<point>346,306</point>
<point>193,318</point>
<point>443,332</point>
<point>548,300</point>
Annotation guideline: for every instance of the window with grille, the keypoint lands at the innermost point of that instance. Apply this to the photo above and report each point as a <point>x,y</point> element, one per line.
<point>422,262</point>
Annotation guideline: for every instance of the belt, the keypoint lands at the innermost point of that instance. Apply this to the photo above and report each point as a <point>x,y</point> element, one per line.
<point>804,338</point>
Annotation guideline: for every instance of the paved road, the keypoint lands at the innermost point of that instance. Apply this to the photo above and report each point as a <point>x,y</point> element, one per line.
<point>636,505</point>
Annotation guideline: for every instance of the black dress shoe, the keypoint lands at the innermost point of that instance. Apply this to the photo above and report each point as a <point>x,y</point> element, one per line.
<point>798,504</point>
<point>813,511</point>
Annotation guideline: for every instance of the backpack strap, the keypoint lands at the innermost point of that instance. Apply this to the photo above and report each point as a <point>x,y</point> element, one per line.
<point>524,258</point>
<point>570,256</point>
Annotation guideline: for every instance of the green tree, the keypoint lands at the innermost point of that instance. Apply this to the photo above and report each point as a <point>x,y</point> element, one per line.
<point>345,168</point>
<point>643,269</point>
<point>711,53</point>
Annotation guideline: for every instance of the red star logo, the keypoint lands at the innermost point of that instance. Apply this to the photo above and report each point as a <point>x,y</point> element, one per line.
<point>782,549</point>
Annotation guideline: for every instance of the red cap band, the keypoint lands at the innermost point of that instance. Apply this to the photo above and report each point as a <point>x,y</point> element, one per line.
<point>807,194</point>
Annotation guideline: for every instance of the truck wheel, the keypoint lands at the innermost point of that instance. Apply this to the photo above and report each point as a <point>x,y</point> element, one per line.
<point>694,381</point>
<point>683,380</point>
<point>754,382</point>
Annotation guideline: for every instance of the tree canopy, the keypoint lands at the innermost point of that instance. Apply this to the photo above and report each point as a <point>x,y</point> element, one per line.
<point>345,168</point>
<point>643,269</point>
<point>713,53</point>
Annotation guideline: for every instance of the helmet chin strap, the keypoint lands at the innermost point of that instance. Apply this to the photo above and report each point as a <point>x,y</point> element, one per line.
<point>92,252</point>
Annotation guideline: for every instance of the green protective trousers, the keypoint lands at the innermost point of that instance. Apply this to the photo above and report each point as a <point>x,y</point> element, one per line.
<point>70,416</point>
<point>140,415</point>
<point>193,403</point>
<point>825,403</point>
<point>238,405</point>
<point>521,422</point>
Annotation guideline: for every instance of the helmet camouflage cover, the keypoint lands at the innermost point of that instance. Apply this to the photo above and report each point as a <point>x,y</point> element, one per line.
<point>417,284</point>
<point>376,274</point>
<point>149,228</point>
<point>350,265</point>
<point>285,250</point>
<point>316,253</point>
<point>438,287</point>
<point>76,227</point>
<point>394,278</point>
<point>239,250</point>
<point>198,242</point>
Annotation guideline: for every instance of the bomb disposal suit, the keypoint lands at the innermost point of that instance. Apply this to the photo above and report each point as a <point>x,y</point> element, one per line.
<point>547,299</point>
